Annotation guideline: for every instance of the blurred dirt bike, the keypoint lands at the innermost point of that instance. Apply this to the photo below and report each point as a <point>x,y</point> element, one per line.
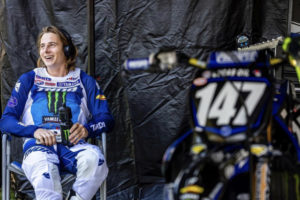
<point>246,126</point>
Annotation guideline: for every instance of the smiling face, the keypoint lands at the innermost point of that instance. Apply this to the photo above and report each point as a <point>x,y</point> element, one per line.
<point>51,51</point>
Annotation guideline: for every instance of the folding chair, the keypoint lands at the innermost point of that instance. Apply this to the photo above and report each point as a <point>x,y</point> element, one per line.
<point>8,166</point>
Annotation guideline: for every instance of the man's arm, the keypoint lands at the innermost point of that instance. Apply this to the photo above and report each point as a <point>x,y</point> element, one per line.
<point>102,119</point>
<point>10,121</point>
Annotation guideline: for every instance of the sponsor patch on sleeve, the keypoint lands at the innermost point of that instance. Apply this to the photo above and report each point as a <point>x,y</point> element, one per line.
<point>101,97</point>
<point>12,102</point>
<point>98,126</point>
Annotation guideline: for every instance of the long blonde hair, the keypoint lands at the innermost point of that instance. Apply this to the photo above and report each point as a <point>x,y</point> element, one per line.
<point>71,60</point>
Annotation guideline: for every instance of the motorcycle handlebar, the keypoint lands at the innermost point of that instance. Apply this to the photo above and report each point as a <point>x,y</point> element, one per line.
<point>167,60</point>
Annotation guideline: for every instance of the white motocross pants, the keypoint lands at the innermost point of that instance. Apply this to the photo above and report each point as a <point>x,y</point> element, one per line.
<point>42,166</point>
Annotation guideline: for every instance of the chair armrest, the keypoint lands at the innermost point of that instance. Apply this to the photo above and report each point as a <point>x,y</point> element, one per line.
<point>103,139</point>
<point>6,136</point>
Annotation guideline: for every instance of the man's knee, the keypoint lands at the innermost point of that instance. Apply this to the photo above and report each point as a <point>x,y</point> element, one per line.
<point>45,180</point>
<point>42,194</point>
<point>91,172</point>
<point>90,164</point>
<point>40,167</point>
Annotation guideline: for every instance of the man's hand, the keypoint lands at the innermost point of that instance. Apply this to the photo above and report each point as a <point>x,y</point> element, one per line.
<point>45,137</point>
<point>78,132</point>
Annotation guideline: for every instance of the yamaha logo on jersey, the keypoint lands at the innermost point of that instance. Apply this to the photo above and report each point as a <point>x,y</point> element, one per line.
<point>50,119</point>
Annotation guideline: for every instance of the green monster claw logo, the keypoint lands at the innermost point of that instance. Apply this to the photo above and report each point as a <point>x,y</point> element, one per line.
<point>67,134</point>
<point>55,100</point>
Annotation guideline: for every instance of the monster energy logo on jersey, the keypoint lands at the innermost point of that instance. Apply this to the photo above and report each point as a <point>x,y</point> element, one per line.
<point>55,100</point>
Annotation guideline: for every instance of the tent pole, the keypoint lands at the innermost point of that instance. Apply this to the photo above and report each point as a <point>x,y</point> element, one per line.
<point>290,13</point>
<point>91,38</point>
<point>91,44</point>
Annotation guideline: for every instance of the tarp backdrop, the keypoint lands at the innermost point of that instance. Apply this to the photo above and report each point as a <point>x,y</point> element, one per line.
<point>150,109</point>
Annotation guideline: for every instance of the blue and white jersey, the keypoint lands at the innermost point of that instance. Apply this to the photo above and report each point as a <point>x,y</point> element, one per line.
<point>37,96</point>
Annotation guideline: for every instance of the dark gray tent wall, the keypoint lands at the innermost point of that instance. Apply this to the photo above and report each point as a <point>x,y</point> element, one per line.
<point>150,109</point>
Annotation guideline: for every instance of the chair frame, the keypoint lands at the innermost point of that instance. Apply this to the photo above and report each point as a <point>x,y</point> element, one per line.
<point>8,166</point>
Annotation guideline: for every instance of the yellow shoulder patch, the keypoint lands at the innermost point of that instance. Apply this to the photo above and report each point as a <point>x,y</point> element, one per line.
<point>101,97</point>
